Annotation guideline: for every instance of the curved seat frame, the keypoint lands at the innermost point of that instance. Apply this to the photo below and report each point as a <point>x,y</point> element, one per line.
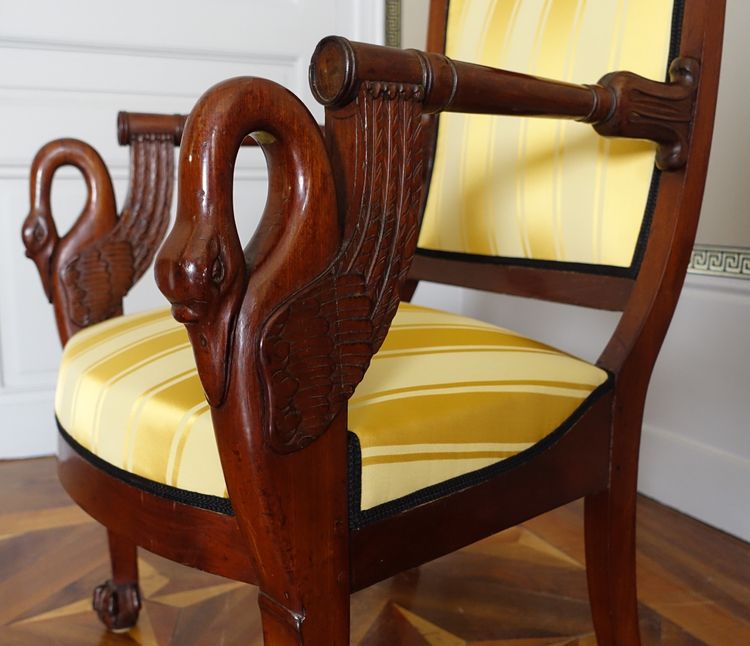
<point>340,226</point>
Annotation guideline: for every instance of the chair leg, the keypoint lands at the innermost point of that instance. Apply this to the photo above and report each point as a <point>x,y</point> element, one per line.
<point>117,602</point>
<point>326,623</point>
<point>610,566</point>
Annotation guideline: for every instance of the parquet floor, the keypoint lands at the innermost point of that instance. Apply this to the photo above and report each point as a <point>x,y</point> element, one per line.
<point>523,587</point>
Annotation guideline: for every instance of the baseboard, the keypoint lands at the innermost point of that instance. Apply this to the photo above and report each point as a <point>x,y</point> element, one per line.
<point>697,479</point>
<point>695,454</point>
<point>28,424</point>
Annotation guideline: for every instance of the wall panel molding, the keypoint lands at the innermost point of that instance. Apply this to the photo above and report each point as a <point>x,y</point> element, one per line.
<point>249,57</point>
<point>19,170</point>
<point>29,424</point>
<point>75,72</point>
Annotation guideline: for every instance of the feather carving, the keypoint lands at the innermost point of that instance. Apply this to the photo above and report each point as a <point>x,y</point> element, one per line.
<point>318,344</point>
<point>97,276</point>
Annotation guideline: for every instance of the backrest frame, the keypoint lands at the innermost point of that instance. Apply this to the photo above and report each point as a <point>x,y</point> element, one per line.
<point>560,282</point>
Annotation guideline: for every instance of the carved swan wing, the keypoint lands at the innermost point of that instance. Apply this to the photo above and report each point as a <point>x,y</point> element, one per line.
<point>317,345</point>
<point>96,280</point>
<point>99,275</point>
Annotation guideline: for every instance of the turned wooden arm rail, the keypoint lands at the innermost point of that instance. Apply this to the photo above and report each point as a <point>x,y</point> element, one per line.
<point>134,124</point>
<point>87,271</point>
<point>620,104</point>
<point>131,125</point>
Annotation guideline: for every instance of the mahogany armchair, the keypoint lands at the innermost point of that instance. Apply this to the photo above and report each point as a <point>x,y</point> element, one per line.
<point>307,433</point>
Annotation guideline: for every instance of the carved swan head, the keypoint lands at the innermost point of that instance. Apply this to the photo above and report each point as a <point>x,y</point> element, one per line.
<point>44,245</point>
<point>216,289</point>
<point>201,266</point>
<point>202,273</point>
<point>40,238</point>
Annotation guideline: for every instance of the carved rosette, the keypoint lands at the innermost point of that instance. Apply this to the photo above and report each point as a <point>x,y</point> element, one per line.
<point>317,345</point>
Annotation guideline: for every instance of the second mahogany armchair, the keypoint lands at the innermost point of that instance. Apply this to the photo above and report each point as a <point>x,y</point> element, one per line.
<point>308,432</point>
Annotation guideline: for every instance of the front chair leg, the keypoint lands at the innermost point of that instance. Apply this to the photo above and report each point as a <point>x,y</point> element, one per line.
<point>117,602</point>
<point>610,568</point>
<point>610,524</point>
<point>324,623</point>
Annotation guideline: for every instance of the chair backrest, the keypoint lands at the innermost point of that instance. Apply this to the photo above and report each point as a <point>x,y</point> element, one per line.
<point>545,194</point>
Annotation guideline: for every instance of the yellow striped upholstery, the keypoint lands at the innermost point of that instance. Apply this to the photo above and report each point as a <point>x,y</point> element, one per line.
<point>537,188</point>
<point>445,396</point>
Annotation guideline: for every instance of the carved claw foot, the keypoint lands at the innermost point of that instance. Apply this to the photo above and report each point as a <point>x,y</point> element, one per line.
<point>117,605</point>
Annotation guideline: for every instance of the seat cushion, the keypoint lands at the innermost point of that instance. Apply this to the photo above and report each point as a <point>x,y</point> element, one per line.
<point>444,397</point>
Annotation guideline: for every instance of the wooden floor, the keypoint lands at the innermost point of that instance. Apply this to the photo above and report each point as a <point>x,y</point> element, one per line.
<point>523,587</point>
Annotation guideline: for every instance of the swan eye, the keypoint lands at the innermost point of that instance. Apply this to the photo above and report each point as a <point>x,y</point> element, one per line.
<point>40,232</point>
<point>217,271</point>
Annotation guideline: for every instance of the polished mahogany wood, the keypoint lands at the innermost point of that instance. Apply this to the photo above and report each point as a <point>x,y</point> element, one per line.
<point>131,125</point>
<point>196,537</point>
<point>574,287</point>
<point>634,346</point>
<point>431,530</point>
<point>87,272</point>
<point>291,507</point>
<point>284,329</point>
<point>621,104</point>
<point>339,66</point>
<point>437,26</point>
<point>645,109</point>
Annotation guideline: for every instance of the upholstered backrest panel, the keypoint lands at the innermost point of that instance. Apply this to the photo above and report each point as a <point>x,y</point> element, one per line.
<point>545,189</point>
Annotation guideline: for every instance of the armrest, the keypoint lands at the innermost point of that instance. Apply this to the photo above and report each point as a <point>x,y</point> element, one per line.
<point>132,125</point>
<point>620,104</point>
<point>87,272</point>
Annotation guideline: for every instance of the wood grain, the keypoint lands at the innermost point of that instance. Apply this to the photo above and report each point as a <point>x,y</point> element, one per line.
<point>87,272</point>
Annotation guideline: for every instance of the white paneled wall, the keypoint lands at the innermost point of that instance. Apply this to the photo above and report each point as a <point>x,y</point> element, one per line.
<point>66,68</point>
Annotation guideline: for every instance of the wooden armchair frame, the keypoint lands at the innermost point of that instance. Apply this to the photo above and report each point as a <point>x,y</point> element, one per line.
<point>334,248</point>
<point>87,272</point>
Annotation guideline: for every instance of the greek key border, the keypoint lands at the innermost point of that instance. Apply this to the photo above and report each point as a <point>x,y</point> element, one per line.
<point>714,260</point>
<point>393,23</point>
